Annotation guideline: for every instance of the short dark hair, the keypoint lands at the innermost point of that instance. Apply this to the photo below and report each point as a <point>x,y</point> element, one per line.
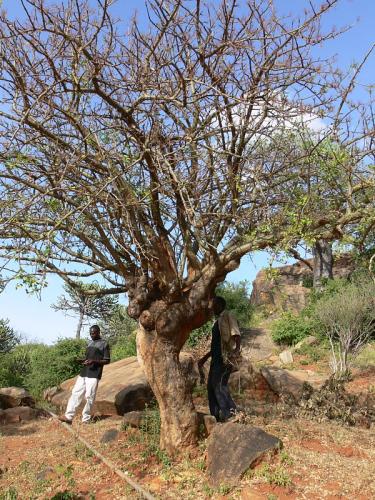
<point>95,328</point>
<point>220,303</point>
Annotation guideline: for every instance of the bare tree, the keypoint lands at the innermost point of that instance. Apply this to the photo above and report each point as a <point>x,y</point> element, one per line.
<point>348,319</point>
<point>84,300</point>
<point>143,156</point>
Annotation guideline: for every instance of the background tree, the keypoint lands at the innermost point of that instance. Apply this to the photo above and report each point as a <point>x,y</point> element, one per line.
<point>85,301</point>
<point>138,155</point>
<point>8,337</point>
<point>118,325</point>
<point>326,172</point>
<point>120,331</point>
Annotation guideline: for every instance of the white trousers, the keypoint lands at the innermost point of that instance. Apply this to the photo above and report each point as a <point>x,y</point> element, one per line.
<point>87,387</point>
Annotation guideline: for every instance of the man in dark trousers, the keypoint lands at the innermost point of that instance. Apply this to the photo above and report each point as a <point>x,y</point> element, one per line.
<point>224,353</point>
<point>97,355</point>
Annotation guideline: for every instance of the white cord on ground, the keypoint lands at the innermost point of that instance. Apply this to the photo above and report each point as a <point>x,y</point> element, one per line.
<point>105,460</point>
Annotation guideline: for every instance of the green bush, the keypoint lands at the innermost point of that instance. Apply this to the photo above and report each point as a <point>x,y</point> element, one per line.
<point>14,366</point>
<point>51,365</point>
<point>238,302</point>
<point>124,347</point>
<point>10,375</point>
<point>292,328</point>
<point>38,366</point>
<point>197,335</point>
<point>8,337</point>
<point>331,288</point>
<point>342,309</point>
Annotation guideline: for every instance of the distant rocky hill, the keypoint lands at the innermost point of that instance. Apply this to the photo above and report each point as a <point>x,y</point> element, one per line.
<point>288,289</point>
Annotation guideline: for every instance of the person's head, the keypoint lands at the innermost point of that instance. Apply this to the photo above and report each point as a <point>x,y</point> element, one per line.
<point>218,305</point>
<point>95,332</point>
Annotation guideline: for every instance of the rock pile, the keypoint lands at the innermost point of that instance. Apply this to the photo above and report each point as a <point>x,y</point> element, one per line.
<point>16,405</point>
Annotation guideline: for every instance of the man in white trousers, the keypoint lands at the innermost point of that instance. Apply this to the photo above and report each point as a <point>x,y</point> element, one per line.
<point>97,355</point>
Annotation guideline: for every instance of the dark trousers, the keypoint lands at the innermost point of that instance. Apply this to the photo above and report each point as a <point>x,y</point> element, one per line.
<point>220,402</point>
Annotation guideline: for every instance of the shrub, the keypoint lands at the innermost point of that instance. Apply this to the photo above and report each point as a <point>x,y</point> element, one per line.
<point>331,288</point>
<point>292,328</point>
<point>124,347</point>
<point>8,337</point>
<point>9,375</point>
<point>199,334</point>
<point>238,302</point>
<point>14,367</point>
<point>51,365</point>
<point>38,366</point>
<point>348,319</point>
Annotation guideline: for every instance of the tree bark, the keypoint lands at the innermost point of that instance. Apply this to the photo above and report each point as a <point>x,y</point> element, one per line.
<point>159,359</point>
<point>323,262</point>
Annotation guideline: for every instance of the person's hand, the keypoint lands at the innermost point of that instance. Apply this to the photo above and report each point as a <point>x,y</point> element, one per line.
<point>88,362</point>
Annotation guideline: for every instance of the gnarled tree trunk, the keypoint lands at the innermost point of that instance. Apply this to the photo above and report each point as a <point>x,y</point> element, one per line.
<point>159,357</point>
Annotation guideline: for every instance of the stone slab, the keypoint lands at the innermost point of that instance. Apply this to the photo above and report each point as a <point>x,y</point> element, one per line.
<point>232,448</point>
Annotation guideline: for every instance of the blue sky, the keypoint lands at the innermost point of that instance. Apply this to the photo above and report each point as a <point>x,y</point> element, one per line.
<point>34,318</point>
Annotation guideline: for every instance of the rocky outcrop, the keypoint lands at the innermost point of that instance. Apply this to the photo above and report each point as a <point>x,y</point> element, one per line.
<point>11,397</point>
<point>49,393</point>
<point>291,381</point>
<point>19,414</point>
<point>123,387</point>
<point>16,405</point>
<point>232,448</point>
<point>288,289</point>
<point>251,382</point>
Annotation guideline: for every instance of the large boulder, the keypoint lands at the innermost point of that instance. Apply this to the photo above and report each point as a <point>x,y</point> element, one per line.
<point>49,393</point>
<point>10,397</point>
<point>251,382</point>
<point>18,414</point>
<point>291,381</point>
<point>232,448</point>
<point>286,290</point>
<point>123,387</point>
